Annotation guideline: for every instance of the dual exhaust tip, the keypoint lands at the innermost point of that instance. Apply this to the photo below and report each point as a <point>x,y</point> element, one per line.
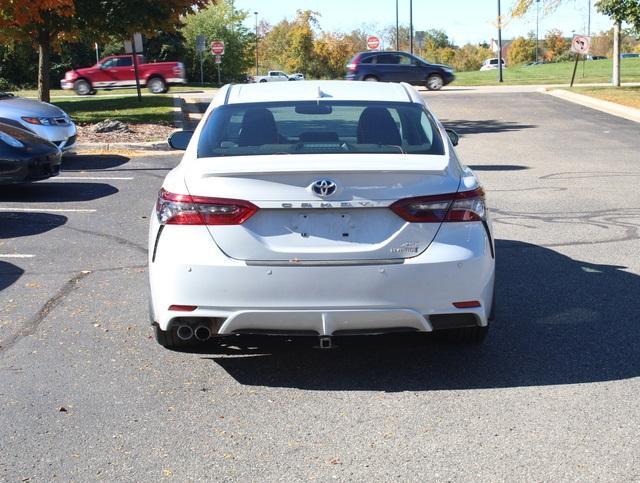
<point>202,333</point>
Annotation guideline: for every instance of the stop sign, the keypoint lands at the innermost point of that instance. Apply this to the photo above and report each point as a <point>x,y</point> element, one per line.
<point>373,42</point>
<point>217,47</point>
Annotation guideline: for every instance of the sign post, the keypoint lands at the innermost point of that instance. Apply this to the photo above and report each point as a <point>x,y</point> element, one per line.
<point>201,42</point>
<point>217,49</point>
<point>373,42</point>
<point>580,45</point>
<point>133,47</point>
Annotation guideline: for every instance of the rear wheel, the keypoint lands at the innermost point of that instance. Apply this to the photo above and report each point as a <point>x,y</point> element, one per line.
<point>82,87</point>
<point>157,85</point>
<point>263,80</point>
<point>371,78</point>
<point>434,82</point>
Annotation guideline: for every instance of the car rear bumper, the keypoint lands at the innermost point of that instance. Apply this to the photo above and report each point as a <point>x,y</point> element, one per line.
<point>235,297</point>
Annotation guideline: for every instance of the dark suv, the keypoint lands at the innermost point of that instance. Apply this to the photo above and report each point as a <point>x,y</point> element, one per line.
<point>391,66</point>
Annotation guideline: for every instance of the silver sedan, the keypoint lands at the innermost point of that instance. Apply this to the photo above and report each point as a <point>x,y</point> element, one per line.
<point>45,120</point>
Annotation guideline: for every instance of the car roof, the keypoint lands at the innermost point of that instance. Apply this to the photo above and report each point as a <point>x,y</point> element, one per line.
<point>314,90</point>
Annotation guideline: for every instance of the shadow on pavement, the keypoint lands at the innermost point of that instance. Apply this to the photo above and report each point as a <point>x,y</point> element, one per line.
<point>559,321</point>
<point>497,167</point>
<point>57,192</point>
<point>17,224</point>
<point>9,274</point>
<point>483,126</point>
<point>90,162</point>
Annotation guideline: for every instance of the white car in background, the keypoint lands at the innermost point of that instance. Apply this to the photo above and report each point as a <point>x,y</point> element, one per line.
<point>491,64</point>
<point>296,76</point>
<point>272,76</point>
<point>43,119</point>
<point>321,209</point>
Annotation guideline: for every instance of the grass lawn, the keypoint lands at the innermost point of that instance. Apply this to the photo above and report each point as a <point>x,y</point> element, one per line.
<point>595,71</point>
<point>627,96</point>
<point>115,92</point>
<point>92,109</point>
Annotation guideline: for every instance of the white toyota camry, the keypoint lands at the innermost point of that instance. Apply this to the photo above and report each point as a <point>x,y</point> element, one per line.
<point>319,208</point>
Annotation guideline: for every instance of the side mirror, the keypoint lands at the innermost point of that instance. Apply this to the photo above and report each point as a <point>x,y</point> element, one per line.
<point>455,138</point>
<point>180,139</point>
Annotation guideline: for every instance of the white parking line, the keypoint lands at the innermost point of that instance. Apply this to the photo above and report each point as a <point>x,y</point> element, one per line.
<point>92,178</point>
<point>46,210</point>
<point>15,255</point>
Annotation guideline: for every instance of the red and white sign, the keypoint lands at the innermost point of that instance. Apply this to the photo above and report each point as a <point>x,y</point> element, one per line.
<point>217,47</point>
<point>373,42</point>
<point>580,44</point>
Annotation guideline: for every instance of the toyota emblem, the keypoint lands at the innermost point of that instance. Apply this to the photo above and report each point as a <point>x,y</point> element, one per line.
<point>324,187</point>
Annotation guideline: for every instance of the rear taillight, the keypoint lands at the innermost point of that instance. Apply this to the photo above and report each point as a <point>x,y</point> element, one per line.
<point>175,209</point>
<point>351,67</point>
<point>461,206</point>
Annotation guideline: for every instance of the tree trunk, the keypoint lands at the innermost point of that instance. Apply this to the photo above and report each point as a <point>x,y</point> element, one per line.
<point>44,65</point>
<point>616,54</point>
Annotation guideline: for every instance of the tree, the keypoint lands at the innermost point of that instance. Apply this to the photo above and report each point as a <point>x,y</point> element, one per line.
<point>521,51</point>
<point>46,23</point>
<point>289,45</point>
<point>555,44</point>
<point>219,22</point>
<point>39,21</point>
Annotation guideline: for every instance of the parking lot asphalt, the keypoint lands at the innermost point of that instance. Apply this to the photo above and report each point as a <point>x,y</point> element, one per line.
<point>552,394</point>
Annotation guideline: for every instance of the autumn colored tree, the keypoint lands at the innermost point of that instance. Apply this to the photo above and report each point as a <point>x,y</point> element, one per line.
<point>555,44</point>
<point>521,51</point>
<point>289,45</point>
<point>46,23</point>
<point>40,22</point>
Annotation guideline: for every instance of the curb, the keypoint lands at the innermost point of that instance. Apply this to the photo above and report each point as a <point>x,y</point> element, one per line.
<point>156,146</point>
<point>612,108</point>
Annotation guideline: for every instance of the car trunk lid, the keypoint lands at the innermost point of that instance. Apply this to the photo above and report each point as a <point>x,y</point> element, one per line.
<point>297,224</point>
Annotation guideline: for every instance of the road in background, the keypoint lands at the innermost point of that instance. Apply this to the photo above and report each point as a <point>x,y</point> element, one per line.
<point>86,393</point>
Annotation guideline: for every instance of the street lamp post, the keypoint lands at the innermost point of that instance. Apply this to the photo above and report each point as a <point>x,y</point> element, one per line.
<point>397,29</point>
<point>537,27</point>
<point>411,26</point>
<point>256,14</point>
<point>499,44</point>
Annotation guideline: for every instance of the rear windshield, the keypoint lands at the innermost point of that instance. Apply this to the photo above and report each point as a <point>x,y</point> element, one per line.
<point>319,127</point>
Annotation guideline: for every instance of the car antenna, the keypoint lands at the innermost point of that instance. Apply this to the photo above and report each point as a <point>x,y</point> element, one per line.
<point>322,94</point>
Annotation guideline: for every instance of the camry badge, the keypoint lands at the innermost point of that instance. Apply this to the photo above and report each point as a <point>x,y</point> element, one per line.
<point>324,187</point>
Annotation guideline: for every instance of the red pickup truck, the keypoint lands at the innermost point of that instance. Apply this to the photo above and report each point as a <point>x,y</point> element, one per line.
<point>116,71</point>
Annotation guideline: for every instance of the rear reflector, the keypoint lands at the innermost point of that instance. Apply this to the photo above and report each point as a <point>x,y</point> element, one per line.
<point>177,209</point>
<point>183,308</point>
<point>460,206</point>
<point>469,304</point>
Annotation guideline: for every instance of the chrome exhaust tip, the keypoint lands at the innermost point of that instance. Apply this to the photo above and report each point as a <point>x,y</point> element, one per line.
<point>185,332</point>
<point>202,333</point>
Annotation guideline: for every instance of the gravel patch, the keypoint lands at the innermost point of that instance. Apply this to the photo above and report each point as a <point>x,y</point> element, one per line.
<point>139,133</point>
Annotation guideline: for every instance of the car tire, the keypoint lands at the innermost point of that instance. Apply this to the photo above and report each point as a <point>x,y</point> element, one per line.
<point>82,87</point>
<point>465,335</point>
<point>435,82</point>
<point>263,80</point>
<point>371,78</point>
<point>157,85</point>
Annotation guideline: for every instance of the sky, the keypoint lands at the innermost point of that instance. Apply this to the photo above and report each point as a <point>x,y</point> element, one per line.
<point>465,21</point>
